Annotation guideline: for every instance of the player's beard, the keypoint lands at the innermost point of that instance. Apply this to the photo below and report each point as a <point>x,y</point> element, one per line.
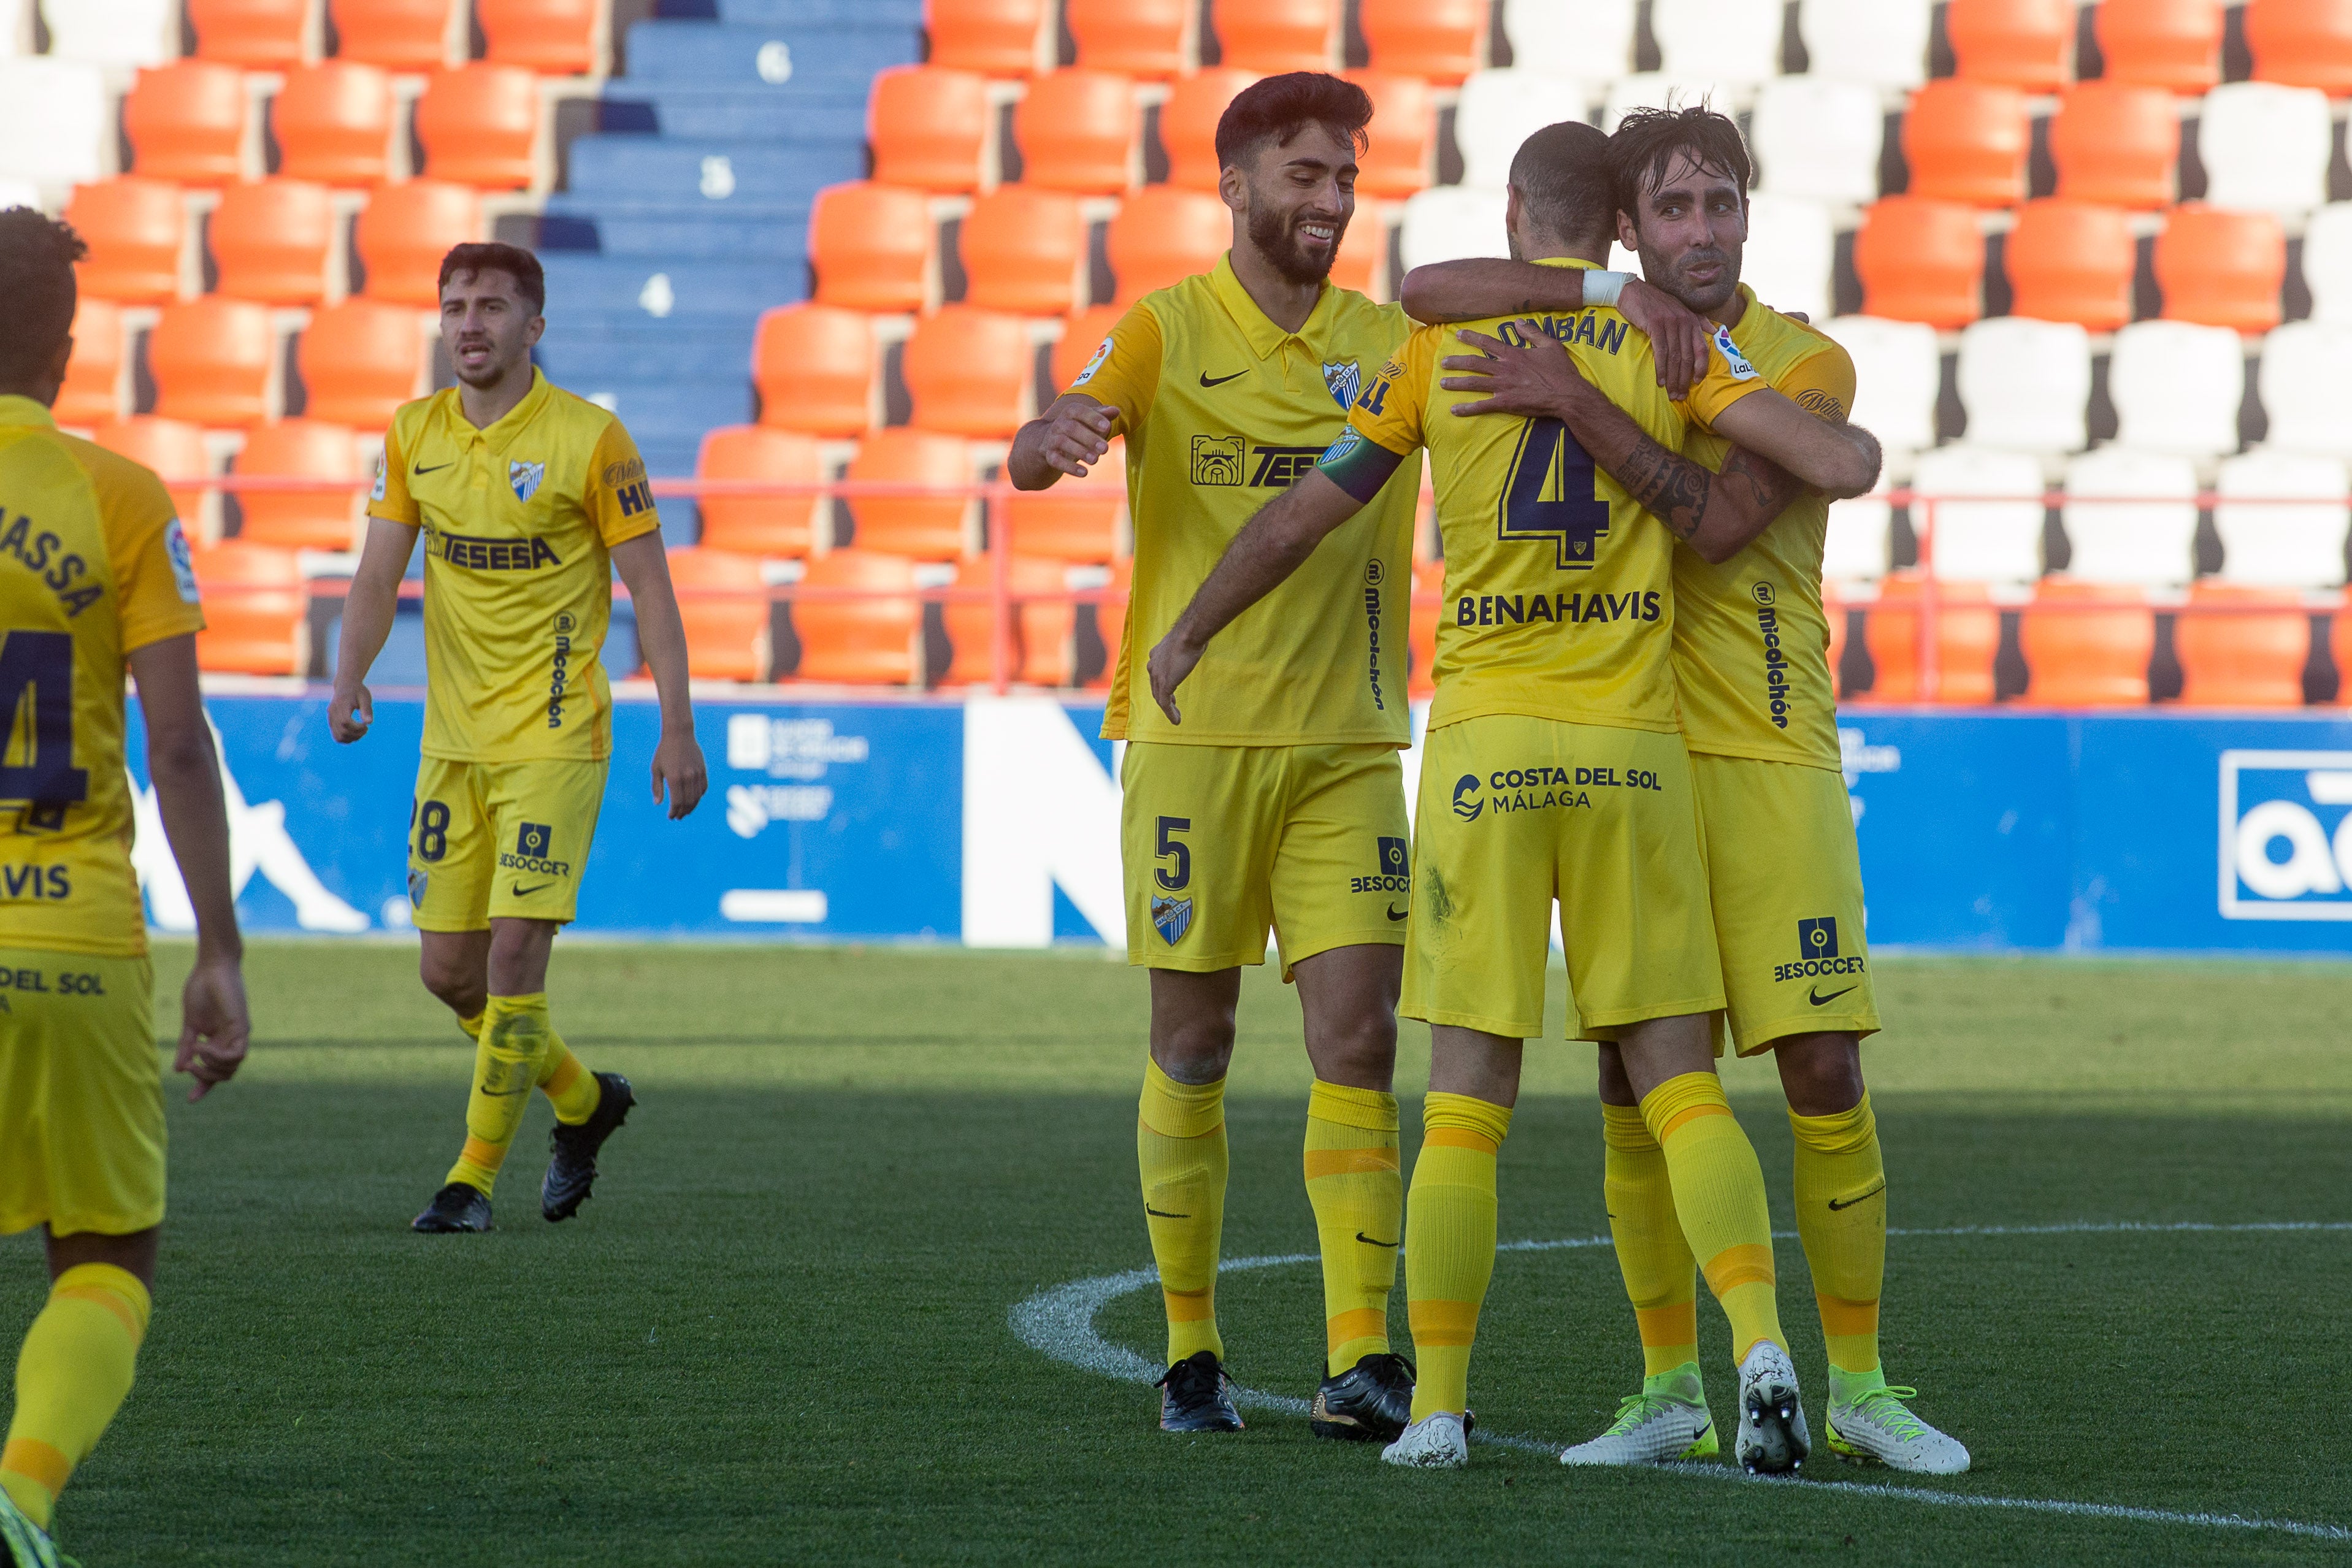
<point>492,372</point>
<point>1276,234</point>
<point>1705,299</point>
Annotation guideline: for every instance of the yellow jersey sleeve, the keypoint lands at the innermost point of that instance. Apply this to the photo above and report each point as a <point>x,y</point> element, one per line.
<point>616,497</point>
<point>1823,383</point>
<point>1124,374</point>
<point>154,576</point>
<point>1729,377</point>
<point>1393,410</point>
<point>390,499</point>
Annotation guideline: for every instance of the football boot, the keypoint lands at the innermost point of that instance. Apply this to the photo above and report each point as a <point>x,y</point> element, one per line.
<point>1195,1395</point>
<point>571,1165</point>
<point>1370,1402</point>
<point>456,1208</point>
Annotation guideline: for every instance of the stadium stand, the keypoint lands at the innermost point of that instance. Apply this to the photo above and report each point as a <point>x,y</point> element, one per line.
<point>479,125</point>
<point>256,608</point>
<point>969,371</point>
<point>2087,644</point>
<point>1918,259</point>
<point>863,642</point>
<point>333,123</point>
<point>213,362</point>
<point>2301,42</point>
<point>872,248</point>
<point>1968,642</point>
<point>2265,146</point>
<point>262,34</point>
<point>361,359</point>
<point>404,230</point>
<point>1878,43</point>
<point>1149,39</point>
<point>932,128</point>
<point>1078,521</point>
<point>112,32</point>
<point>2116,142</point>
<point>1968,141</point>
<point>2024,44</point>
<point>2072,261</point>
<point>174,449</point>
<point>325,519</point>
<point>1188,124</point>
<point>270,240</point>
<point>815,366</point>
<point>2025,384</point>
<point>918,528</point>
<point>1024,249</point>
<point>186,121</point>
<point>2221,268</point>
<point>1995,538</point>
<point>1079,130</point>
<point>1717,40</point>
<point>1161,236</point>
<point>723,601</point>
<point>1817,137</point>
<point>2282,518</point>
<point>2141,528</point>
<point>95,377</point>
<point>1000,37</point>
<point>397,35</point>
<point>2302,389</point>
<point>2177,387</point>
<point>1441,41</point>
<point>1270,35</point>
<point>137,230</point>
<point>2172,44</point>
<point>771,527</point>
<point>2242,659</point>
<point>1500,109</point>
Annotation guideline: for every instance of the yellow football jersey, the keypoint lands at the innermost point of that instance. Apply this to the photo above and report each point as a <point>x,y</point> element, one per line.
<point>1223,412</point>
<point>1559,587</point>
<point>520,520</point>
<point>93,567</point>
<point>1751,641</point>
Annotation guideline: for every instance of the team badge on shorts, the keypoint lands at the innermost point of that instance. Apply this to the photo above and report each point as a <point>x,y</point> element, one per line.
<point>415,888</point>
<point>1173,917</point>
<point>526,478</point>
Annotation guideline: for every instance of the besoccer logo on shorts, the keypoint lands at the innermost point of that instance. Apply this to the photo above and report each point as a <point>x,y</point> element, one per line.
<point>2287,835</point>
<point>1817,938</point>
<point>532,842</point>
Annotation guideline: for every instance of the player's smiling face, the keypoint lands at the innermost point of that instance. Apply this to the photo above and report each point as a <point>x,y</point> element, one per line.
<point>1689,233</point>
<point>1294,201</point>
<point>489,326</point>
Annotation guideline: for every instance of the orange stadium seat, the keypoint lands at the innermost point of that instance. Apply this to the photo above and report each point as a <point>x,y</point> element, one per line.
<point>2221,268</point>
<point>398,35</point>
<point>1403,156</point>
<point>2340,643</point>
<point>1968,637</point>
<point>360,360</point>
<point>1364,247</point>
<point>1077,519</point>
<point>333,123</point>
<point>2086,657</point>
<point>2172,44</point>
<point>1024,250</point>
<point>2017,43</point>
<point>1421,640</point>
<point>969,371</point>
<point>813,365</point>
<point>555,38</point>
<point>773,527</point>
<point>404,231</point>
<point>1444,40</point>
<point>93,391</point>
<point>928,127</point>
<point>2070,261</point>
<point>186,122</point>
<point>1082,335</point>
<point>2242,660</point>
<point>301,519</point>
<point>1269,36</point>
<point>256,610</point>
<point>1920,261</point>
<point>479,126</point>
<point>921,528</point>
<point>860,642</point>
<point>1164,234</point>
<point>1188,125</point>
<point>723,601</point>
<point>270,240</point>
<point>2116,142</point>
<point>171,448</point>
<point>996,37</point>
<point>1078,131</point>
<point>872,247</point>
<point>2302,43</point>
<point>1834,612</point>
<point>212,360</point>
<point>1041,632</point>
<point>134,229</point>
<point>1135,38</point>
<point>1110,620</point>
<point>264,34</point>
<point>1966,141</point>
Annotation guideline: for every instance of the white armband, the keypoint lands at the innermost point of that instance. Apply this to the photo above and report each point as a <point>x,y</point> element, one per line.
<point>1603,287</point>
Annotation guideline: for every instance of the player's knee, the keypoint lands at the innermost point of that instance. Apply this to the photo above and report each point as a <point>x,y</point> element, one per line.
<point>456,983</point>
<point>1194,1050</point>
<point>1820,1073</point>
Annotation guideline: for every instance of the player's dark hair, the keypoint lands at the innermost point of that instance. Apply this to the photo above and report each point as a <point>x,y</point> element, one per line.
<point>1649,142</point>
<point>1561,173</point>
<point>37,293</point>
<point>1276,108</point>
<point>530,279</point>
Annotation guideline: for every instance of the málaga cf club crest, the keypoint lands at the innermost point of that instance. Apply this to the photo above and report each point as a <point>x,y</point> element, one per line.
<point>525,477</point>
<point>1343,379</point>
<point>1173,917</point>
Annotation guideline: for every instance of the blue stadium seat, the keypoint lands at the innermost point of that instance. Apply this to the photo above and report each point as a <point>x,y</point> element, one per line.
<point>716,173</point>
<point>804,13</point>
<point>819,111</point>
<point>770,56</point>
<point>638,289</point>
<point>577,351</point>
<point>673,230</point>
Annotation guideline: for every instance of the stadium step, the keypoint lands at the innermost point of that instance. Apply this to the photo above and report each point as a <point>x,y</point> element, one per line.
<point>574,353</point>
<point>819,111</point>
<point>786,13</point>
<point>657,230</point>
<point>632,285</point>
<point>771,55</point>
<point>641,168</point>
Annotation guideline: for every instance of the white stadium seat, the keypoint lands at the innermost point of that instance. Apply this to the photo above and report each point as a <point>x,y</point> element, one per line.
<point>2328,262</point>
<point>2025,383</point>
<point>2114,535</point>
<point>1791,250</point>
<point>15,27</point>
<point>1588,38</point>
<point>1500,109</point>
<point>2272,544</point>
<point>1815,136</point>
<point>1656,89</point>
<point>1446,222</point>
<point>113,32</point>
<point>2303,388</point>
<point>2265,148</point>
<point>1717,40</point>
<point>1861,536</point>
<point>1881,43</point>
<point>2177,388</point>
<point>1899,373</point>
<point>1993,540</point>
<point>67,100</point>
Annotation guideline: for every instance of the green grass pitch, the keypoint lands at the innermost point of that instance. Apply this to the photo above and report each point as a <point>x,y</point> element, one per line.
<point>782,1333</point>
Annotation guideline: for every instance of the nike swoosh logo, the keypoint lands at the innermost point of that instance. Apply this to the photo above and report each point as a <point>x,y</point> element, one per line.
<point>1813,994</point>
<point>1221,380</point>
<point>1371,1242</point>
<point>1859,1198</point>
<point>434,469</point>
<point>1398,913</point>
<point>523,892</point>
<point>509,1094</point>
<point>1163,1214</point>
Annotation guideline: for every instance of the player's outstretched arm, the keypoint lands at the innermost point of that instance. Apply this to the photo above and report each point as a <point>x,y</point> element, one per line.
<point>368,608</point>
<point>185,767</point>
<point>679,770</point>
<point>1477,289</point>
<point>1069,437</point>
<point>1835,457</point>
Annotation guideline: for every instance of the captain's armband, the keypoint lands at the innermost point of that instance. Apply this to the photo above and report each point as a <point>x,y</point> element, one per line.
<point>1357,465</point>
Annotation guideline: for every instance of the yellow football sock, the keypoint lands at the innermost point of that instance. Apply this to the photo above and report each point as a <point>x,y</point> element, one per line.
<point>1719,1197</point>
<point>1359,1201</point>
<point>571,1087</point>
<point>72,1375</point>
<point>1842,1219</point>
<point>1179,1147</point>
<point>473,1028</point>
<point>1661,1276</point>
<point>1451,1219</point>
<point>506,1065</point>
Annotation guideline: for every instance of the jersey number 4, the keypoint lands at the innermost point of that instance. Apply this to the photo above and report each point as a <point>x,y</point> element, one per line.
<point>36,670</point>
<point>1551,496</point>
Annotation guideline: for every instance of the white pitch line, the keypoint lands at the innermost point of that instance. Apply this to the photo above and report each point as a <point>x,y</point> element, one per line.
<point>1059,1322</point>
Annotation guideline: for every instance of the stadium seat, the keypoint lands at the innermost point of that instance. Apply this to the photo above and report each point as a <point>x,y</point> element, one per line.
<point>270,239</point>
<point>1078,131</point>
<point>1082,335</point>
<point>2130,517</point>
<point>1899,373</point>
<point>1403,157</point>
<point>2025,384</point>
<point>996,37</point>
<point>1110,620</point>
<point>211,360</point>
<point>1440,40</point>
<point>2242,657</point>
<point>2302,43</point>
<point>2328,262</point>
<point>723,601</point>
<point>1818,137</point>
<point>186,122</point>
<point>1792,253</point>
<point>2264,147</point>
<point>969,371</point>
<point>1920,261</point>
<point>1859,542</point>
<point>256,610</point>
<point>2025,44</point>
<point>404,232</point>
<point>813,365</point>
<point>92,394</point>
<point>1024,250</point>
<point>135,229</point>
<point>1499,110</point>
<point>479,126</point>
<point>1966,141</point>
<point>1981,513</point>
<point>1448,222</point>
<point>2072,261</point>
<point>173,450</point>
<point>872,248</point>
<point>263,35</point>
<point>772,527</point>
<point>1269,36</point>
<point>1143,38</point>
<point>928,127</point>
<point>2303,390</point>
<point>860,642</point>
<point>112,32</point>
<point>333,123</point>
<point>1081,520</point>
<point>360,360</point>
<point>397,35</point>
<point>1717,40</point>
<point>1163,234</point>
<point>2172,44</point>
<point>1188,125</point>
<point>554,38</point>
<point>1880,43</point>
<point>2177,387</point>
<point>919,527</point>
<point>2221,268</point>
<point>2087,644</point>
<point>69,102</point>
<point>2116,143</point>
<point>1039,651</point>
<point>1420,635</point>
<point>301,519</point>
<point>1364,248</point>
<point>2282,518</point>
<point>1967,640</point>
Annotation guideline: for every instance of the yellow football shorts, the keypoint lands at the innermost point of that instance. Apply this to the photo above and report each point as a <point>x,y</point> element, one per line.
<point>1220,842</point>
<point>81,1094</point>
<point>500,840</point>
<point>1516,812</point>
<point>1786,880</point>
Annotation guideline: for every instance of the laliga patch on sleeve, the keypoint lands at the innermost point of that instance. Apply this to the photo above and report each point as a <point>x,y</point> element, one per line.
<point>184,566</point>
<point>1093,365</point>
<point>1741,370</point>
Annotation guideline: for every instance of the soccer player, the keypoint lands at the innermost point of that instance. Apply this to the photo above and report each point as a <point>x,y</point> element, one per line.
<point>529,499</point>
<point>1757,696</point>
<point>94,581</point>
<point>1554,769</point>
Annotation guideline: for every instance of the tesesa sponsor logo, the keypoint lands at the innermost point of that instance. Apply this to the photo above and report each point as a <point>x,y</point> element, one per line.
<point>1222,460</point>
<point>1817,947</point>
<point>1395,873</point>
<point>2287,835</point>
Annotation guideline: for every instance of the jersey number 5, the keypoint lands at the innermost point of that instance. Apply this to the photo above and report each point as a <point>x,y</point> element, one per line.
<point>1551,495</point>
<point>37,667</point>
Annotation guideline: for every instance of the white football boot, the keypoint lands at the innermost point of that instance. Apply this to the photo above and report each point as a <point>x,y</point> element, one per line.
<point>1668,1420</point>
<point>1879,1429</point>
<point>1435,1442</point>
<point>1772,1438</point>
